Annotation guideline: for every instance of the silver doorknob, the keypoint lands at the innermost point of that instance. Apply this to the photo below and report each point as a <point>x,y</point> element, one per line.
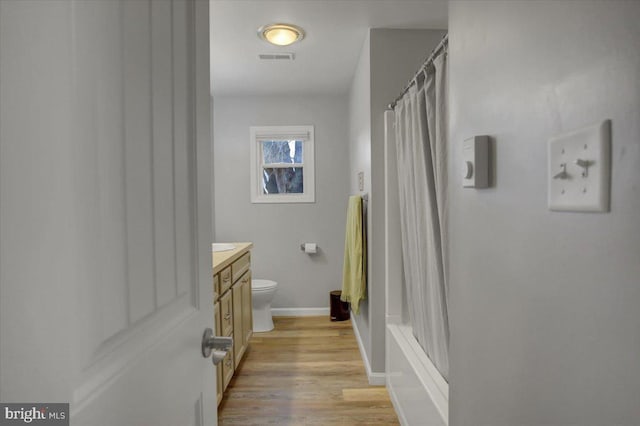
<point>216,345</point>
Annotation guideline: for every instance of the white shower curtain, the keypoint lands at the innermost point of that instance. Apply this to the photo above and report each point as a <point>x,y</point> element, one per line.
<point>421,142</point>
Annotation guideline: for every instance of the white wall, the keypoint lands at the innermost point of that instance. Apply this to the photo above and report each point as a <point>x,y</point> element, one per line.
<point>277,230</point>
<point>389,58</point>
<point>544,305</point>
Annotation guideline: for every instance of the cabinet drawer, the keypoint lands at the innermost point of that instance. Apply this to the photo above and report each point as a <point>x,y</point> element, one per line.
<point>226,314</point>
<point>225,280</point>
<point>241,266</point>
<point>246,279</point>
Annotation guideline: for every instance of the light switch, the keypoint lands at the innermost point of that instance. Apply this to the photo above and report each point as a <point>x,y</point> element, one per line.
<point>579,171</point>
<point>475,169</point>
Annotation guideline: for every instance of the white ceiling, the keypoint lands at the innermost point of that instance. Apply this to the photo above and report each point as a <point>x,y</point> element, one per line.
<point>324,61</point>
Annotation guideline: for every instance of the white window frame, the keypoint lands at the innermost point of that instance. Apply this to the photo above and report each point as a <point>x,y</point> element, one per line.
<point>270,133</point>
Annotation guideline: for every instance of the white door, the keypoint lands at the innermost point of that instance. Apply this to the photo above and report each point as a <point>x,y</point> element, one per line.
<point>105,213</point>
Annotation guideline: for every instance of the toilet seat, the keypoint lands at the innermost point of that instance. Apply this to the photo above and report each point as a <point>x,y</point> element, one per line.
<point>263,285</point>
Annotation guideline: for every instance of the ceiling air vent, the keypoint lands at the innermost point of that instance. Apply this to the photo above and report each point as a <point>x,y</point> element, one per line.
<point>276,56</point>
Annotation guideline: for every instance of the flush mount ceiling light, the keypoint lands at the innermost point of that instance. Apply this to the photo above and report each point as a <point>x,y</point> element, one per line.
<point>281,34</point>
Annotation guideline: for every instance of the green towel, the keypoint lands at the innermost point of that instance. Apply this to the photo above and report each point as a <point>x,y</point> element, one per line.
<point>355,256</point>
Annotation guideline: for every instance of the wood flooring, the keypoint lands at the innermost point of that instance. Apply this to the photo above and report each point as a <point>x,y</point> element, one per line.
<point>308,371</point>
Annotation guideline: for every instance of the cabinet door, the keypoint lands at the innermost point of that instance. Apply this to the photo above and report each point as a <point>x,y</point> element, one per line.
<point>226,314</point>
<point>216,286</point>
<point>238,344</point>
<point>219,366</point>
<point>227,369</point>
<point>242,315</point>
<point>247,311</point>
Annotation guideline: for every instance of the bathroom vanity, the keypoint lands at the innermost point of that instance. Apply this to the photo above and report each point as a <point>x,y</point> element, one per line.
<point>232,301</point>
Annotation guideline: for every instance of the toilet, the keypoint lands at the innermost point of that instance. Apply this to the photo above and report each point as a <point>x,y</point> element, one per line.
<point>262,292</point>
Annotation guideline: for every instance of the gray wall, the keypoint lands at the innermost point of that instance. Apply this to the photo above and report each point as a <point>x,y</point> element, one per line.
<point>544,306</point>
<point>390,57</point>
<point>360,160</point>
<point>277,230</point>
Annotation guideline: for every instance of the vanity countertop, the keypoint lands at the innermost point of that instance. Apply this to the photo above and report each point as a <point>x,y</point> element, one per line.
<point>222,259</point>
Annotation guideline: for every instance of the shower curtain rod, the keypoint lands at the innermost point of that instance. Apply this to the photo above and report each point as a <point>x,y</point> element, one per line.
<point>426,62</point>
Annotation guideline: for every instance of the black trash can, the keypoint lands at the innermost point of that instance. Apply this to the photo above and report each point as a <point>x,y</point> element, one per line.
<point>339,309</point>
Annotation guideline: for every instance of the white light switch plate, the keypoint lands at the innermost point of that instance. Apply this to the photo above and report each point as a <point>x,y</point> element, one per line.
<point>579,169</point>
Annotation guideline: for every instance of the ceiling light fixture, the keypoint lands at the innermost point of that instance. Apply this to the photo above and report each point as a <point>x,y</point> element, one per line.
<point>281,34</point>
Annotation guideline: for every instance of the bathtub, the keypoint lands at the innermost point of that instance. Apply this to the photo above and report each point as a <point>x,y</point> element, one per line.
<point>419,394</point>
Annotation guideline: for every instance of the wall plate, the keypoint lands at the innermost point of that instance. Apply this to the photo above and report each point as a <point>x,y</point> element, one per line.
<point>579,169</point>
<point>475,168</point>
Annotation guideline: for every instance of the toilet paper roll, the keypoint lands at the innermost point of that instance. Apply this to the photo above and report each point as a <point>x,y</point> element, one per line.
<point>310,248</point>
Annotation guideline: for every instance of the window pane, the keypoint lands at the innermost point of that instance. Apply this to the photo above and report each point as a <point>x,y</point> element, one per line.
<point>282,180</point>
<point>275,152</point>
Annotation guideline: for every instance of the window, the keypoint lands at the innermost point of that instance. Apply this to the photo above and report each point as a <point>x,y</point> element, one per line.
<point>282,165</point>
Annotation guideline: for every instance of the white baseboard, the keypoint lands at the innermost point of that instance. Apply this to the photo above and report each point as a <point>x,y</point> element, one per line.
<point>299,312</point>
<point>375,379</point>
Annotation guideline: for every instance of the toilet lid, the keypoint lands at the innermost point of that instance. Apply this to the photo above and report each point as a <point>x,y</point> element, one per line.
<point>263,284</point>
